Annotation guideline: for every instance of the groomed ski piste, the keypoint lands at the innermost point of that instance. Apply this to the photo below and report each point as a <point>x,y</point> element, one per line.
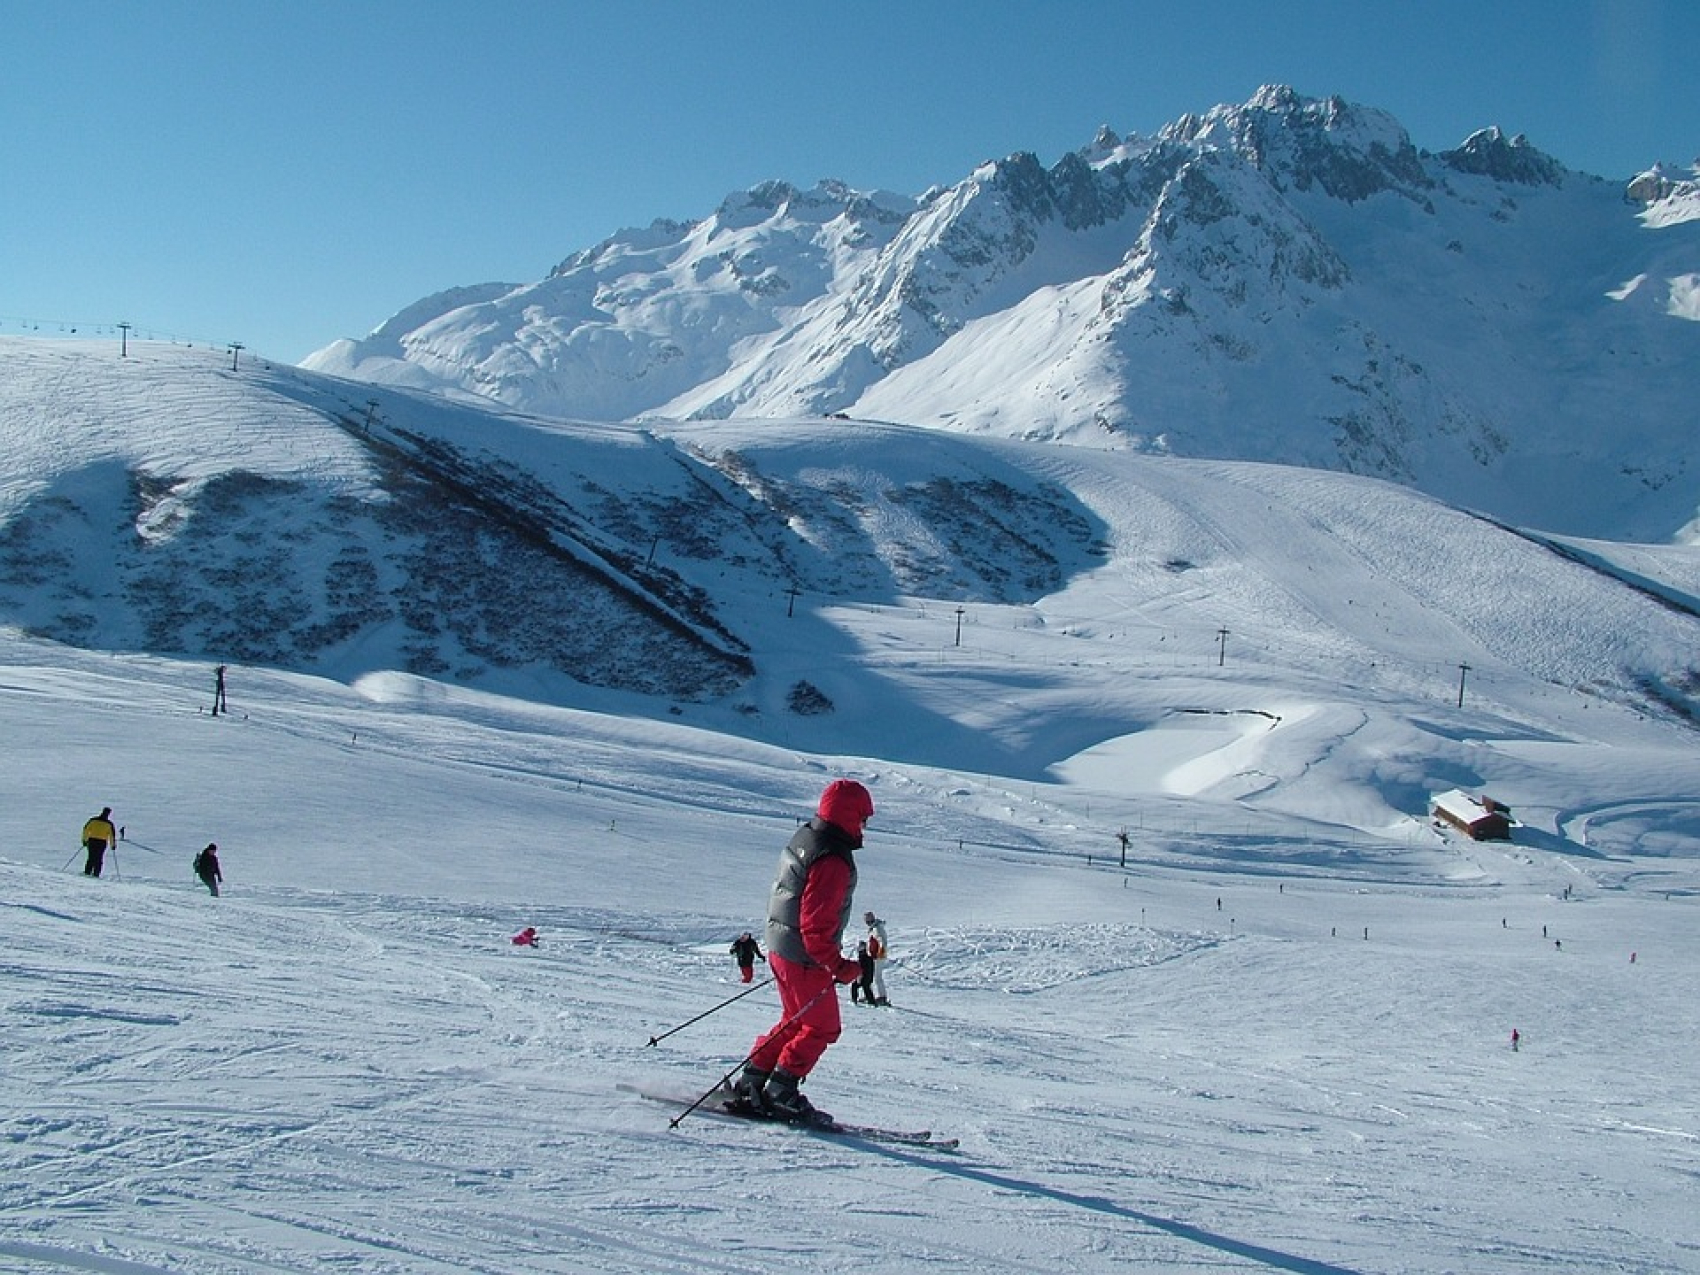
<point>1276,1039</point>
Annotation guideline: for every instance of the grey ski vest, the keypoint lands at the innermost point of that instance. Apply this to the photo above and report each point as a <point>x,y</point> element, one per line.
<point>812,842</point>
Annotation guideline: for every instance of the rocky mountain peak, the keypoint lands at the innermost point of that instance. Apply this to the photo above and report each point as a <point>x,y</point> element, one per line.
<point>1350,152</point>
<point>1489,153</point>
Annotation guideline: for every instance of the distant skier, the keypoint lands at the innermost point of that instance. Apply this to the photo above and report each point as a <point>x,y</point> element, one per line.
<point>807,913</point>
<point>98,833</point>
<point>878,949</point>
<point>746,951</point>
<point>526,937</point>
<point>219,705</point>
<point>1516,1039</point>
<point>865,984</point>
<point>207,869</point>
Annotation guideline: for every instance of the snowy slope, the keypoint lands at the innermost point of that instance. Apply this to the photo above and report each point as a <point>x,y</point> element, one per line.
<point>1288,280</point>
<point>1276,1038</point>
<point>595,566</point>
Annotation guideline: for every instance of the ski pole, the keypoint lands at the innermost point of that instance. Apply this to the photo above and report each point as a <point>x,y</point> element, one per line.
<point>73,858</point>
<point>722,1082</point>
<point>705,1013</point>
<point>117,875</point>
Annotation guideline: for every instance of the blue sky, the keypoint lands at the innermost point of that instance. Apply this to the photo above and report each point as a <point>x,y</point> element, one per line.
<point>283,174</point>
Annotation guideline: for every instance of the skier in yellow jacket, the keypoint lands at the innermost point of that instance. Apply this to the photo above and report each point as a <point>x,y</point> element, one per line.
<point>98,833</point>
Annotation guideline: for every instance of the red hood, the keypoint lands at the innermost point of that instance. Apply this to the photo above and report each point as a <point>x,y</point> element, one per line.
<point>847,804</point>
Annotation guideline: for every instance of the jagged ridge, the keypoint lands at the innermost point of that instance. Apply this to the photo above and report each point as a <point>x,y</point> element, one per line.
<point>1289,279</point>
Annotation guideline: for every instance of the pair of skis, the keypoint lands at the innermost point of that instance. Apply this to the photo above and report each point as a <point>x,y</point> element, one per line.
<point>722,1103</point>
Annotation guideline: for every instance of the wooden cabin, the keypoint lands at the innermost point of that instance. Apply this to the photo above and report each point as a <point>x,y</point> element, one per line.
<point>1480,818</point>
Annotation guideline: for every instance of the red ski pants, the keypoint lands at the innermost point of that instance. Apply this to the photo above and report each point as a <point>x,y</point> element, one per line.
<point>808,1023</point>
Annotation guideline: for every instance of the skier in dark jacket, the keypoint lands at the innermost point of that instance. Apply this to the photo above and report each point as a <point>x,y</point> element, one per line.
<point>746,951</point>
<point>865,984</point>
<point>207,869</point>
<point>807,912</point>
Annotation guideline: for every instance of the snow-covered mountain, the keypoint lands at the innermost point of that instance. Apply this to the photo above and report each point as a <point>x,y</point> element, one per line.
<point>1180,954</point>
<point>168,503</point>
<point>1286,280</point>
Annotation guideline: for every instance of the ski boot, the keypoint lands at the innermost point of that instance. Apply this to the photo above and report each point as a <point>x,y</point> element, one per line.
<point>784,1101</point>
<point>747,1089</point>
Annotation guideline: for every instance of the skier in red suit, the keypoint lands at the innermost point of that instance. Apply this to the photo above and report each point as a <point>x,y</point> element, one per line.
<point>807,913</point>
